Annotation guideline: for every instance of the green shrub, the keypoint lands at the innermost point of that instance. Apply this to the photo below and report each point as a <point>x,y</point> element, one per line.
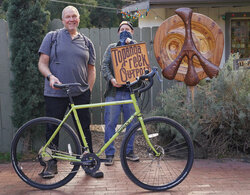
<point>218,119</point>
<point>28,21</point>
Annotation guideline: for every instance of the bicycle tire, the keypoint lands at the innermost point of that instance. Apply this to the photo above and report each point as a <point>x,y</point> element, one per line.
<point>169,169</point>
<point>29,139</point>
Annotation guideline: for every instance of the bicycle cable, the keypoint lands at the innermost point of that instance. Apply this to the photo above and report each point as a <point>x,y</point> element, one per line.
<point>144,97</point>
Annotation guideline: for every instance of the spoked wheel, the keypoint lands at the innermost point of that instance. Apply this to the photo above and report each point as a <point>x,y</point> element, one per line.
<point>174,161</point>
<point>27,158</point>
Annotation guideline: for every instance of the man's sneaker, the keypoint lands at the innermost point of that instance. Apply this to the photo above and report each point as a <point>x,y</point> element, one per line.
<point>132,157</point>
<point>50,170</point>
<point>98,174</point>
<point>110,160</point>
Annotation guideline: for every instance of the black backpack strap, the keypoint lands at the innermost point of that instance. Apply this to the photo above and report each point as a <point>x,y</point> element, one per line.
<point>54,41</point>
<point>54,38</point>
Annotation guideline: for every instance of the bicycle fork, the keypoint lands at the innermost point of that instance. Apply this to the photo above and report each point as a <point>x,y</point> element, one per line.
<point>140,119</point>
<point>143,128</point>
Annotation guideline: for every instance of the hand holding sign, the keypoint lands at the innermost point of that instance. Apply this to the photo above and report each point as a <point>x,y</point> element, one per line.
<point>114,83</point>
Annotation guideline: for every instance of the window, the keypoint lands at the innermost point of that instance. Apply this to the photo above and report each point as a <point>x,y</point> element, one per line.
<point>240,37</point>
<point>237,34</point>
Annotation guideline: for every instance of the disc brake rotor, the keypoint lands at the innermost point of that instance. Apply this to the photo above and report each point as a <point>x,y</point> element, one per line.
<point>45,156</point>
<point>159,149</point>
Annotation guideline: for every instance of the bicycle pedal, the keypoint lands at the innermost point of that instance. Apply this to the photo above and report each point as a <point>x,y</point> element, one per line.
<point>104,160</point>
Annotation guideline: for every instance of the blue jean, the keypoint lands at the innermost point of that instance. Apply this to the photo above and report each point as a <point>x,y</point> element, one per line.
<point>111,117</point>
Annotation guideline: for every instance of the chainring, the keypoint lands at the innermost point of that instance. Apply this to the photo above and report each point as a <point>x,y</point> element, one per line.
<point>92,163</point>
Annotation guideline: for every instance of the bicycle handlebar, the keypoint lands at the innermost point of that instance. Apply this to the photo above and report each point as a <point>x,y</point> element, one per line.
<point>147,75</point>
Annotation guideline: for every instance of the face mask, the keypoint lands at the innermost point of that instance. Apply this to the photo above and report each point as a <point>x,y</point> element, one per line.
<point>123,36</point>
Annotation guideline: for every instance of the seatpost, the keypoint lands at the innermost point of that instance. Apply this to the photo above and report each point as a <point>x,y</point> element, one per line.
<point>70,97</point>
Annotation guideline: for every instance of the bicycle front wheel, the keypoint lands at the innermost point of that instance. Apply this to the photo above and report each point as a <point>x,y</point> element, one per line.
<point>26,149</point>
<point>166,170</point>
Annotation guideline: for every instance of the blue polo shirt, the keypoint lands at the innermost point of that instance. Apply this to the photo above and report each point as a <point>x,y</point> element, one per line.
<point>69,60</point>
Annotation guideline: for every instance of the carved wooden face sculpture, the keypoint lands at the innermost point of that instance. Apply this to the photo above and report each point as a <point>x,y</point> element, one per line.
<point>188,47</point>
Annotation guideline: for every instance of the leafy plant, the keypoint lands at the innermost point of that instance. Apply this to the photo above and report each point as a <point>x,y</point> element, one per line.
<point>4,157</point>
<point>218,119</point>
<point>28,23</point>
<point>55,9</point>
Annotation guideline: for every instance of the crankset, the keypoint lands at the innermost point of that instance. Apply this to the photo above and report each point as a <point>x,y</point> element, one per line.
<point>90,163</point>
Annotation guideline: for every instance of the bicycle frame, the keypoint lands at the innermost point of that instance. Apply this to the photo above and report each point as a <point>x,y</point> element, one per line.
<point>74,109</point>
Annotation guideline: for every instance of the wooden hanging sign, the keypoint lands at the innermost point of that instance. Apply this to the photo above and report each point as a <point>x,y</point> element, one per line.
<point>129,62</point>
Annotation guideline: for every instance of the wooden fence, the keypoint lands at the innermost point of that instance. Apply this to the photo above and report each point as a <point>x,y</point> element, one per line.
<point>6,128</point>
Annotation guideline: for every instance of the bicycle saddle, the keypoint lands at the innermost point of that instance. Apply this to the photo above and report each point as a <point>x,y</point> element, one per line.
<point>67,85</point>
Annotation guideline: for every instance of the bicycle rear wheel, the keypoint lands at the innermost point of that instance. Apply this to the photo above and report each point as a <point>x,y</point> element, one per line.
<point>162,172</point>
<point>27,162</point>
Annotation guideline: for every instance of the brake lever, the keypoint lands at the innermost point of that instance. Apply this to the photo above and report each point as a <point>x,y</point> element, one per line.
<point>158,76</point>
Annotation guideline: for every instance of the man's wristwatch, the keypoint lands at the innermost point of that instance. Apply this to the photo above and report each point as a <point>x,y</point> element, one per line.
<point>48,76</point>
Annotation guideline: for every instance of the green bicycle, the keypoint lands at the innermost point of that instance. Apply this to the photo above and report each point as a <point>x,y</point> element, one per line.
<point>163,145</point>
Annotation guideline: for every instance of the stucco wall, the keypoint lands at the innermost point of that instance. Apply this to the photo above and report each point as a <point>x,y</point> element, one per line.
<point>154,18</point>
